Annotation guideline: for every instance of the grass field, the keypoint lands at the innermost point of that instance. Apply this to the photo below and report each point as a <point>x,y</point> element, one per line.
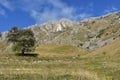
<point>58,62</point>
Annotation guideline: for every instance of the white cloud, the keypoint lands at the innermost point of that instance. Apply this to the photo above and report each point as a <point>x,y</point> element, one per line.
<point>45,10</point>
<point>52,10</point>
<point>6,4</point>
<point>110,9</point>
<point>84,15</point>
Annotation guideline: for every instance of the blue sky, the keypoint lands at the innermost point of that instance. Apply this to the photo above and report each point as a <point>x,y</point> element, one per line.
<point>23,13</point>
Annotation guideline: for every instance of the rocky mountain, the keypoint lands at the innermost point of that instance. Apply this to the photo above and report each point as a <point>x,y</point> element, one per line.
<point>90,33</point>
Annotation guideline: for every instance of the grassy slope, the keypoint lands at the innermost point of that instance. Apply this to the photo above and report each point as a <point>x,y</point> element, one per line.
<point>111,51</point>
<point>108,57</point>
<point>52,50</point>
<point>63,62</point>
<point>3,45</point>
<point>54,62</point>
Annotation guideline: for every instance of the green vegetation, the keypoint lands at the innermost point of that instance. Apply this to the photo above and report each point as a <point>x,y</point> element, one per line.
<point>55,58</point>
<point>59,62</point>
<point>45,66</point>
<point>23,39</point>
<point>108,58</point>
<point>13,35</point>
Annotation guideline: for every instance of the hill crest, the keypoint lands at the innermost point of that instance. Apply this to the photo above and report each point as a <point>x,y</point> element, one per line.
<point>90,34</point>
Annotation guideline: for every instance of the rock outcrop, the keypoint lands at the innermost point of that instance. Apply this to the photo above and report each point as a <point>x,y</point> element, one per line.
<point>90,33</point>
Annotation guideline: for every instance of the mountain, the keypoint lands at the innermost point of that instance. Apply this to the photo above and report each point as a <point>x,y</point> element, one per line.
<point>91,34</point>
<point>111,51</point>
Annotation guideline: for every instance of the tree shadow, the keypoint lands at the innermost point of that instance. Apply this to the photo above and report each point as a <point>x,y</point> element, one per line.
<point>27,54</point>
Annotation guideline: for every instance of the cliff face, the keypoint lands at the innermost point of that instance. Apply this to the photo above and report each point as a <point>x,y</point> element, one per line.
<point>90,33</point>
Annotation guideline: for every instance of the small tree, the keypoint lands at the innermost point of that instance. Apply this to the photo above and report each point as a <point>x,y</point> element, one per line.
<point>24,41</point>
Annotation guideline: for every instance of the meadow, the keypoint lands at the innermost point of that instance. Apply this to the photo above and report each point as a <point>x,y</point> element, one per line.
<point>58,62</point>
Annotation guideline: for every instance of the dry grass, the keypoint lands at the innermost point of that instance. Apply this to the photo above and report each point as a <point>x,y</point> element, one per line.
<point>46,66</point>
<point>110,50</point>
<point>59,51</point>
<point>108,57</point>
<point>59,62</point>
<point>47,74</point>
<point>3,45</point>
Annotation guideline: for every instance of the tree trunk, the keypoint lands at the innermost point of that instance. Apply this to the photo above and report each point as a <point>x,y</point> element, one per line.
<point>23,51</point>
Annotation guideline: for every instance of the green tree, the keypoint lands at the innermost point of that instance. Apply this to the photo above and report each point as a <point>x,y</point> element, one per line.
<point>13,34</point>
<point>24,41</point>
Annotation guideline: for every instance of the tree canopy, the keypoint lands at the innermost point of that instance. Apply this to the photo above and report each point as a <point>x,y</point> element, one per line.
<point>23,39</point>
<point>13,34</point>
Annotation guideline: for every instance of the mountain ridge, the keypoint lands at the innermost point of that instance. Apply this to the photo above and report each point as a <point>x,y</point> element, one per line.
<point>91,33</point>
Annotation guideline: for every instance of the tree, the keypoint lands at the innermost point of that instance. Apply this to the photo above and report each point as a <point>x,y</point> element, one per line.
<point>13,34</point>
<point>24,41</point>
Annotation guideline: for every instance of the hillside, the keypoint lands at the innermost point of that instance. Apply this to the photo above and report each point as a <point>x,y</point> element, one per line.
<point>108,57</point>
<point>90,34</point>
<point>67,50</point>
<point>110,51</point>
<point>61,62</point>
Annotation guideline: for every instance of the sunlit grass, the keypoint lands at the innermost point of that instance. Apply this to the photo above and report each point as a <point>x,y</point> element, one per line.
<point>57,62</point>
